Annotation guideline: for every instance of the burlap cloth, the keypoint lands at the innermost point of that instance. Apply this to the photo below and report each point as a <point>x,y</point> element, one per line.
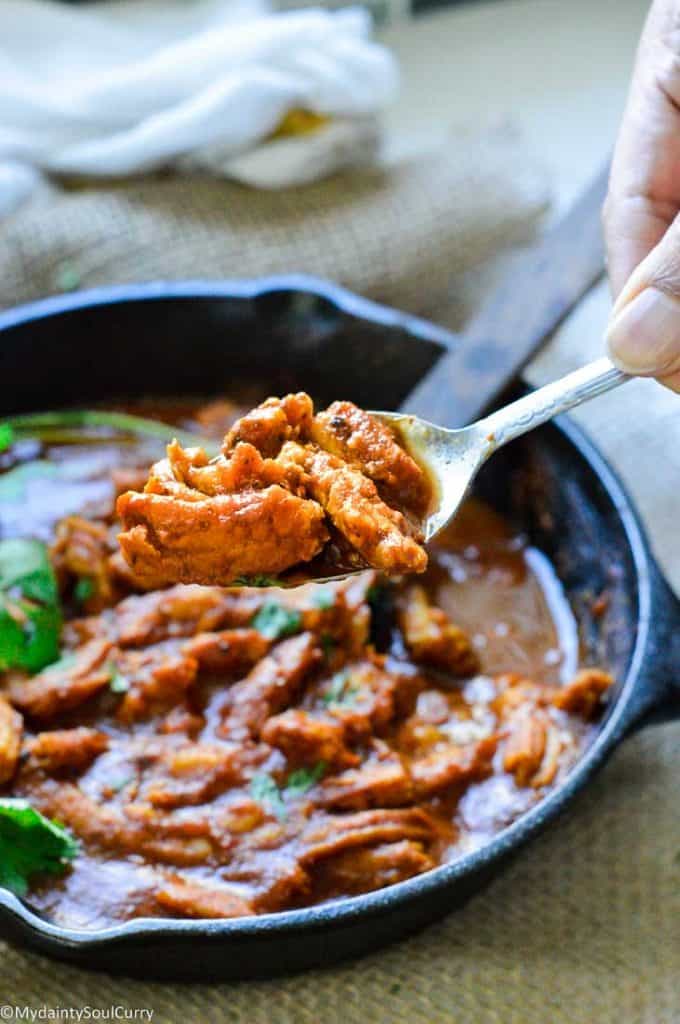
<point>400,234</point>
<point>585,925</point>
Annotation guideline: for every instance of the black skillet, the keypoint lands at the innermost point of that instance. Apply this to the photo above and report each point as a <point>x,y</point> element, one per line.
<point>287,333</point>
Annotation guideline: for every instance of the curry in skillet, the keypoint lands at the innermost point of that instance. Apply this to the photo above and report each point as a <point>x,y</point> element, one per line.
<point>182,750</point>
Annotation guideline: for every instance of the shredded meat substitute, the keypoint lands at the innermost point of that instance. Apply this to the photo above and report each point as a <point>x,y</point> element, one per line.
<point>285,483</point>
<point>225,753</point>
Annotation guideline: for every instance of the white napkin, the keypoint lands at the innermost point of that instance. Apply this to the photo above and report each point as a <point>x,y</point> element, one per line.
<point>121,88</point>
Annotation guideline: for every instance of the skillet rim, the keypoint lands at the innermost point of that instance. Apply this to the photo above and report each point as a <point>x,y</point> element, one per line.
<point>383,901</point>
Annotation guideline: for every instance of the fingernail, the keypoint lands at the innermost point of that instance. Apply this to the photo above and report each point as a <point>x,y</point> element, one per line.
<point>644,338</point>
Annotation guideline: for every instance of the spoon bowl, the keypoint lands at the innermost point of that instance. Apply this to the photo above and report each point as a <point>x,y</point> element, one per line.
<point>452,458</point>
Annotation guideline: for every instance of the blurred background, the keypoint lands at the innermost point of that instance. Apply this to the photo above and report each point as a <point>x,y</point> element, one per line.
<point>460,126</point>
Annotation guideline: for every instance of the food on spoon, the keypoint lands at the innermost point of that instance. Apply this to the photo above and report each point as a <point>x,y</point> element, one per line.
<point>351,501</point>
<point>367,444</point>
<point>288,487</point>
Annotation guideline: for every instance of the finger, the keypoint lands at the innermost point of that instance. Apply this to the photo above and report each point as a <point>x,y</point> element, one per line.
<point>644,331</point>
<point>634,225</point>
<point>644,188</point>
<point>672,382</point>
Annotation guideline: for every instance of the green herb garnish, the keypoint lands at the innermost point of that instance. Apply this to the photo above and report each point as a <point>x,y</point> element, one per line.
<point>258,580</point>
<point>30,619</point>
<point>30,844</point>
<point>341,691</point>
<point>83,590</point>
<point>274,621</point>
<point>82,426</point>
<point>6,436</point>
<point>300,781</point>
<point>118,682</point>
<point>323,598</point>
<point>13,482</point>
<point>265,790</point>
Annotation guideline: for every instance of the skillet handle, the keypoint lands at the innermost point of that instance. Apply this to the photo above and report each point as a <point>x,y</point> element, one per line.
<point>658,699</point>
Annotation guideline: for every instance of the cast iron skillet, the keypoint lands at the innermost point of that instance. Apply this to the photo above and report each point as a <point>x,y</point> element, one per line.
<point>290,333</point>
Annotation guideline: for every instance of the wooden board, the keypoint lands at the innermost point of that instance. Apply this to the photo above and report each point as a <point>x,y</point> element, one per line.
<point>540,288</point>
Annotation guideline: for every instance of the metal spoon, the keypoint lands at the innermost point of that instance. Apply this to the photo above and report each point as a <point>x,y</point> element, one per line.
<point>454,457</point>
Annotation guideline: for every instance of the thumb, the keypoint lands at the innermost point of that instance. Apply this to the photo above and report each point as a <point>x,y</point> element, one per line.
<point>644,328</point>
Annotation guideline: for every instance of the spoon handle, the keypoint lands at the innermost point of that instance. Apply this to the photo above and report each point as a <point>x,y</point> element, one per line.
<point>542,405</point>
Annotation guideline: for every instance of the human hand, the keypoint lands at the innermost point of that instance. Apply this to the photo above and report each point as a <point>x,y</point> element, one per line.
<point>642,210</point>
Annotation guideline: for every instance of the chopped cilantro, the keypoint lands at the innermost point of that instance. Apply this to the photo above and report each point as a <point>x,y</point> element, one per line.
<point>84,589</point>
<point>30,620</point>
<point>30,844</point>
<point>118,683</point>
<point>25,564</point>
<point>274,621</point>
<point>341,691</point>
<point>323,598</point>
<point>13,482</point>
<point>300,781</point>
<point>6,436</point>
<point>258,580</point>
<point>265,790</point>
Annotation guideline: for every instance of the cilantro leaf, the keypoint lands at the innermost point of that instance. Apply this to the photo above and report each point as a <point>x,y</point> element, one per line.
<point>29,635</point>
<point>341,691</point>
<point>274,621</point>
<point>13,482</point>
<point>84,589</point>
<point>263,788</point>
<point>30,844</point>
<point>118,682</point>
<point>25,564</point>
<point>30,619</point>
<point>6,436</point>
<point>258,580</point>
<point>300,781</point>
